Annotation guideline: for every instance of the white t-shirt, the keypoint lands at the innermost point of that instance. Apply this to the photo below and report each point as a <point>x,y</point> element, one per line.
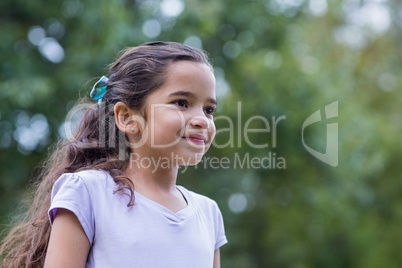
<point>145,235</point>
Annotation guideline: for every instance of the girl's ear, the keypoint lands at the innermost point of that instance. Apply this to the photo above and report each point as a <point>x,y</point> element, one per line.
<point>126,119</point>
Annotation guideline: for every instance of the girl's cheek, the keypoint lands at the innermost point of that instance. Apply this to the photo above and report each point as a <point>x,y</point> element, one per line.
<point>173,115</point>
<point>169,123</point>
<point>213,128</point>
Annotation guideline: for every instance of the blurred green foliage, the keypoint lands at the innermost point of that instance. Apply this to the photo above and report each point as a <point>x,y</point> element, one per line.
<point>277,58</point>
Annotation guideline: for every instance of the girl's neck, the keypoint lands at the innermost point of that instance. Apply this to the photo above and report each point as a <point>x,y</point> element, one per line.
<point>153,179</point>
<point>158,185</point>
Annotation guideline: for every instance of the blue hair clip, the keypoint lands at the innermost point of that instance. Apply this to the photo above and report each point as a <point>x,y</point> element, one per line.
<point>99,89</point>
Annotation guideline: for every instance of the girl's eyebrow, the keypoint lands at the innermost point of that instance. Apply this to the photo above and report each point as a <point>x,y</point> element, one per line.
<point>189,94</point>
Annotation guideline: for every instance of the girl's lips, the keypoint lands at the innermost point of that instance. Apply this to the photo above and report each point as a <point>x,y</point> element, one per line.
<point>197,139</point>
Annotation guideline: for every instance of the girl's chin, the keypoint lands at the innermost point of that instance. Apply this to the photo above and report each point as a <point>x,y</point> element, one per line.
<point>190,160</point>
<point>194,163</point>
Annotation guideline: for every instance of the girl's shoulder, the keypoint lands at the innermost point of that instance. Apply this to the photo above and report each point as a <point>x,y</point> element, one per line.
<point>91,179</point>
<point>93,175</point>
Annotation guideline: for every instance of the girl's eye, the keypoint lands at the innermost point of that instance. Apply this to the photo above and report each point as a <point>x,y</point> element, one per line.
<point>182,103</point>
<point>210,110</point>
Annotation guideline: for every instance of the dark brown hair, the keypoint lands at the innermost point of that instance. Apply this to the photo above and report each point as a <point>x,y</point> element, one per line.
<point>97,143</point>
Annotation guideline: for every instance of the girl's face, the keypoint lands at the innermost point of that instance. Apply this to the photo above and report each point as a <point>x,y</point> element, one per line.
<point>180,123</point>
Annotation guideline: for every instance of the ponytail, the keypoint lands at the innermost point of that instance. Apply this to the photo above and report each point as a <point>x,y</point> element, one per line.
<point>26,244</point>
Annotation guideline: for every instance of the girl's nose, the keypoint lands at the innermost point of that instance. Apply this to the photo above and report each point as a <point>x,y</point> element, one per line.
<point>199,121</point>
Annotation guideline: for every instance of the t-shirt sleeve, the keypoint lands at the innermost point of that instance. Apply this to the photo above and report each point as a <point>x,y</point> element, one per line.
<point>220,228</point>
<point>70,192</point>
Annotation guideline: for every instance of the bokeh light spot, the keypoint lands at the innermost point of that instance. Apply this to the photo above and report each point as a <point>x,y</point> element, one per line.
<point>51,50</point>
<point>36,34</point>
<point>237,202</point>
<point>172,8</point>
<point>151,28</point>
<point>193,41</point>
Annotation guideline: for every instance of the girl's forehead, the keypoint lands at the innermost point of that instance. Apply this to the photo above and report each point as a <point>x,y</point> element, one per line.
<point>188,68</point>
<point>193,75</point>
<point>188,79</point>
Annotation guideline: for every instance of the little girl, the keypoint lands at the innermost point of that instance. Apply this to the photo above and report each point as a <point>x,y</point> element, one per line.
<point>110,191</point>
